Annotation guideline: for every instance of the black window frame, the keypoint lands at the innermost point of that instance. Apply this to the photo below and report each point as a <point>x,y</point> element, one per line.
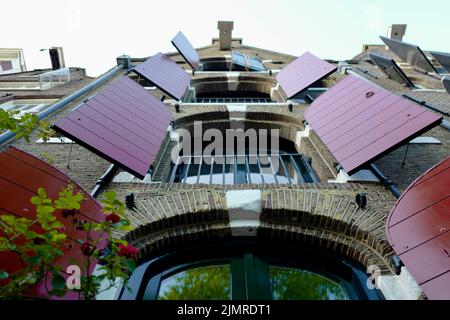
<point>249,266</point>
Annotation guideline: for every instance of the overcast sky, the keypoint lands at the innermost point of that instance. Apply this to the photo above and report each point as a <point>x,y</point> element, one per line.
<point>94,32</point>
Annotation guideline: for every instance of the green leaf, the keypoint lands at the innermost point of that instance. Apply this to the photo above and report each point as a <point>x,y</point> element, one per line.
<point>58,282</point>
<point>42,193</point>
<point>59,237</point>
<point>120,241</point>
<point>31,234</point>
<point>131,264</point>
<point>126,228</point>
<point>34,259</point>
<point>4,275</point>
<point>36,200</point>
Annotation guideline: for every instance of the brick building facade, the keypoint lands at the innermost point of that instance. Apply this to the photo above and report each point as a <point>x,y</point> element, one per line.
<point>322,215</point>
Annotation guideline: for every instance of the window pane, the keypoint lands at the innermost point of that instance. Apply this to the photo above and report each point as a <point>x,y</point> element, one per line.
<point>302,167</point>
<point>205,171</point>
<point>278,167</point>
<point>217,176</point>
<point>255,176</point>
<point>291,169</point>
<point>229,170</point>
<point>204,283</point>
<point>241,170</point>
<point>295,284</point>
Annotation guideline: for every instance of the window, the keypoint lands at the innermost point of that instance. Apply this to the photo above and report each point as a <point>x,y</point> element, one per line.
<point>246,270</point>
<point>232,100</point>
<point>6,65</point>
<point>238,96</point>
<point>309,95</point>
<point>249,166</point>
<point>201,283</point>
<point>296,284</point>
<point>287,168</point>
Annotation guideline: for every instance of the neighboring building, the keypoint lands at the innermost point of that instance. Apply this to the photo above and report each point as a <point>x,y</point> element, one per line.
<point>34,91</point>
<point>11,61</point>
<point>294,225</point>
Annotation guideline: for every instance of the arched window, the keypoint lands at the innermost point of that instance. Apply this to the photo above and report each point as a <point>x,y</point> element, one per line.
<point>244,269</point>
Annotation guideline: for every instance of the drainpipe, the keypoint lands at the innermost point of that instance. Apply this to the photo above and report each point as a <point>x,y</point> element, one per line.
<point>66,100</point>
<point>105,178</point>
<point>385,181</point>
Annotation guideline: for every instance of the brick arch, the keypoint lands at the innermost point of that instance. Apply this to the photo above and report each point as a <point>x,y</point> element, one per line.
<point>316,214</point>
<point>220,112</point>
<point>287,126</point>
<point>243,83</point>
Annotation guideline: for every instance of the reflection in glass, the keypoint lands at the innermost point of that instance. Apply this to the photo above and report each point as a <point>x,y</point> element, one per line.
<point>294,284</point>
<point>204,283</point>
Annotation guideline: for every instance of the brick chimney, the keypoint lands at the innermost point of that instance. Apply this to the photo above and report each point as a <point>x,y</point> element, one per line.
<point>225,30</point>
<point>397,31</point>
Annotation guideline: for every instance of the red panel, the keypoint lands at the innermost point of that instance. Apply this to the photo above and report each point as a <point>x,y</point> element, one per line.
<point>123,123</point>
<point>359,121</point>
<point>437,288</point>
<point>186,49</point>
<point>303,72</point>
<point>429,260</point>
<point>421,196</point>
<point>418,230</point>
<point>165,74</point>
<point>21,174</point>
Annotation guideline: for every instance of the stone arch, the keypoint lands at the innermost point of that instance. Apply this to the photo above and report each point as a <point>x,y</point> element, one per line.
<point>226,85</point>
<point>316,214</point>
<point>288,125</point>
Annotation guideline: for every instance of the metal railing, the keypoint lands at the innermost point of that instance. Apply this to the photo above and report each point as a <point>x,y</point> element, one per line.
<point>47,79</point>
<point>292,168</point>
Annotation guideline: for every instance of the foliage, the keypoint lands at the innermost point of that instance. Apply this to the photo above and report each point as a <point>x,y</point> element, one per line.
<point>213,282</point>
<point>38,244</point>
<point>204,283</point>
<point>293,284</point>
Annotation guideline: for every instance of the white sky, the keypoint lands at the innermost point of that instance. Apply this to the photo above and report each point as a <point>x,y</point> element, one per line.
<point>94,32</point>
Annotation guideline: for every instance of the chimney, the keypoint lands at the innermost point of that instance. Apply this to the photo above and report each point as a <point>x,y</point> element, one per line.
<point>57,58</point>
<point>397,31</point>
<point>225,29</point>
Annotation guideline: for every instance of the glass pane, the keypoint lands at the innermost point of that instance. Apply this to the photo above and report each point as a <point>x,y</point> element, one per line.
<point>291,169</point>
<point>204,283</point>
<point>229,170</point>
<point>295,284</point>
<point>217,176</point>
<point>241,170</point>
<point>302,167</point>
<point>266,169</point>
<point>193,170</point>
<point>255,176</point>
<point>205,171</point>
<point>278,167</point>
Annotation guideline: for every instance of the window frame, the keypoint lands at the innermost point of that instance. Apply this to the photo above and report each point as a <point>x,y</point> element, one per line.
<point>249,262</point>
<point>298,157</point>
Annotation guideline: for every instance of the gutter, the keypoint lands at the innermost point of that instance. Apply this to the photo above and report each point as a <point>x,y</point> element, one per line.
<point>105,178</point>
<point>385,181</point>
<point>66,100</point>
